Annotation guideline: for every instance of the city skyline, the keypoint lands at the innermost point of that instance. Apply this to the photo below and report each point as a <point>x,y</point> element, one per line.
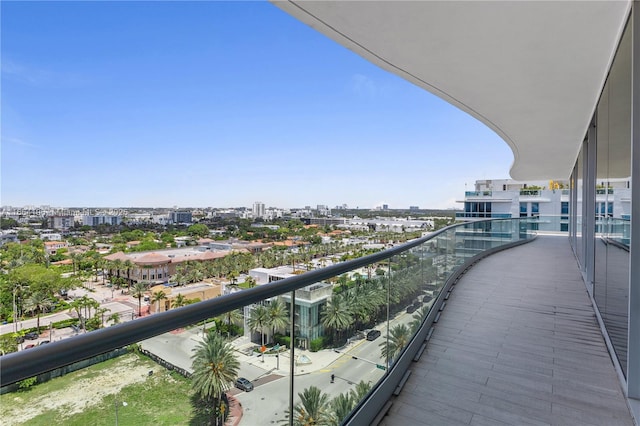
<point>218,104</point>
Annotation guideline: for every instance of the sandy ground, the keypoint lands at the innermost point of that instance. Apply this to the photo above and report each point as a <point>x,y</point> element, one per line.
<point>81,394</point>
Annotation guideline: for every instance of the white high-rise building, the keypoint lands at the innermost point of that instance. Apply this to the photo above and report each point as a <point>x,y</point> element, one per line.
<point>258,209</point>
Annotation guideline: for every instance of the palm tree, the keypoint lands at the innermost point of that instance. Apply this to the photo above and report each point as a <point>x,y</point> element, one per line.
<point>39,302</point>
<point>418,317</point>
<point>259,320</point>
<point>361,390</point>
<point>343,280</point>
<point>87,303</point>
<point>117,264</point>
<point>341,406</point>
<point>139,290</point>
<point>233,277</point>
<point>313,409</point>
<point>128,265</point>
<point>101,311</point>
<point>399,337</point>
<point>76,257</point>
<point>76,305</point>
<point>157,297</point>
<point>337,315</point>
<point>232,317</point>
<point>250,281</point>
<point>214,369</point>
<point>278,315</point>
<point>179,301</point>
<point>114,318</point>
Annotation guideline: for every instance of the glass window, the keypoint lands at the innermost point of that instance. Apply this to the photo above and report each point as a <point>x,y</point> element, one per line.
<point>611,254</point>
<point>535,209</point>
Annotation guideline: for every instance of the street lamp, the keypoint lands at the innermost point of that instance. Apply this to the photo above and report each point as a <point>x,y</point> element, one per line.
<point>115,404</point>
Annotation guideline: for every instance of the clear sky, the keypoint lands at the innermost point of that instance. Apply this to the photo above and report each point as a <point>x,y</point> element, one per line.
<point>155,104</point>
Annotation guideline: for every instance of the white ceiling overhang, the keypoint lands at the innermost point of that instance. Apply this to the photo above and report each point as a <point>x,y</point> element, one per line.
<point>530,70</point>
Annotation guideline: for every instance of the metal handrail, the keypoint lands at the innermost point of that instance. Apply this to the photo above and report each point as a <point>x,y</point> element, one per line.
<point>24,364</point>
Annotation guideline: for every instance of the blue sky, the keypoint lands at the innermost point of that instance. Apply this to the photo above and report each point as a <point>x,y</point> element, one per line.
<point>152,104</point>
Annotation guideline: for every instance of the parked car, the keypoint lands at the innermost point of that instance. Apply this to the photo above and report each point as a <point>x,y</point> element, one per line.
<point>44,342</point>
<point>373,334</point>
<point>19,339</point>
<point>244,384</point>
<point>30,346</point>
<point>31,336</point>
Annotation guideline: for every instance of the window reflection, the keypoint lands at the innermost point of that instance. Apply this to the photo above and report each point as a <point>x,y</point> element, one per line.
<point>612,200</point>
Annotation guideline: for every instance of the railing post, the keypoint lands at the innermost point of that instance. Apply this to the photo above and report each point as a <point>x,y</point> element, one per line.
<point>292,359</point>
<point>388,311</point>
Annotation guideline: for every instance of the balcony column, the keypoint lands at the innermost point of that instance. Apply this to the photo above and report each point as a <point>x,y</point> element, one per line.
<point>633,355</point>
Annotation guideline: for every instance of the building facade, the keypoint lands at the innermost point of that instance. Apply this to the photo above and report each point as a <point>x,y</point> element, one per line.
<point>61,223</point>
<point>258,209</point>
<point>95,220</point>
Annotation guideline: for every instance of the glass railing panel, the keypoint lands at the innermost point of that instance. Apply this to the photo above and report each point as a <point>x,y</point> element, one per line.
<point>553,224</point>
<point>346,331</point>
<point>478,193</point>
<point>407,286</point>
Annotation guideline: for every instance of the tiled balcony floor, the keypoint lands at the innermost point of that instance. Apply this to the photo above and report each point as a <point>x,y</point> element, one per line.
<point>519,344</point>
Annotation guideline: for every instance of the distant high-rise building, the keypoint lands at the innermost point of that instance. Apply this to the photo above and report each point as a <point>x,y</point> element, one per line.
<point>385,207</point>
<point>95,220</point>
<point>414,208</point>
<point>258,209</point>
<point>62,223</point>
<point>180,217</point>
<point>323,210</point>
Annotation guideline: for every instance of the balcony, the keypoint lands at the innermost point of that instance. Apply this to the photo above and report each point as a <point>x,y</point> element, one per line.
<point>516,347</point>
<point>604,191</point>
<point>505,336</point>
<point>481,215</point>
<point>478,193</point>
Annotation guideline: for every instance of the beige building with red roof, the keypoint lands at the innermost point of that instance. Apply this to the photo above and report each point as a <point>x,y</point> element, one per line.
<point>159,266</point>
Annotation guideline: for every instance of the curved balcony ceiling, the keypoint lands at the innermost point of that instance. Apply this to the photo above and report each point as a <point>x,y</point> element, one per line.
<point>532,71</point>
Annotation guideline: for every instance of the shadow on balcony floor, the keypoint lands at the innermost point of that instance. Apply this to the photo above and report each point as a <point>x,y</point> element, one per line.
<point>517,344</point>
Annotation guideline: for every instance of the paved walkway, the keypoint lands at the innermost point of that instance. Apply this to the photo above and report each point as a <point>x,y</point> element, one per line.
<point>518,343</point>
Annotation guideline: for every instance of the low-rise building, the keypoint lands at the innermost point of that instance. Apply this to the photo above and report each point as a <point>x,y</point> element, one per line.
<point>8,237</point>
<point>309,302</point>
<point>52,247</point>
<point>157,267</point>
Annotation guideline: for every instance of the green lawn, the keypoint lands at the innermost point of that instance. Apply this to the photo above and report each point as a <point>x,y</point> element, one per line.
<point>159,399</point>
